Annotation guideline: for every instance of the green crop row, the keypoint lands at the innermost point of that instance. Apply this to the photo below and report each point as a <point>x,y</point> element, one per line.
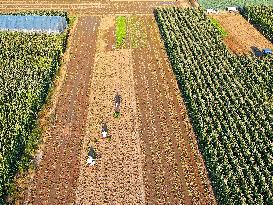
<point>226,97</point>
<point>120,31</point>
<point>217,25</point>
<point>28,63</point>
<point>262,18</point>
<point>217,4</point>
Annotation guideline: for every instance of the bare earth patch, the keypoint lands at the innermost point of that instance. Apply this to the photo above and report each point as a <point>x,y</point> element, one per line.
<point>242,35</point>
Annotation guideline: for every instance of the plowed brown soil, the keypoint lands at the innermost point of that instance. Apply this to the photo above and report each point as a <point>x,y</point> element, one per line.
<point>242,36</point>
<point>57,174</point>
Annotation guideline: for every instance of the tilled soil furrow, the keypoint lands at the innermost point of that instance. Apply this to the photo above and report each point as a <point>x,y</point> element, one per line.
<point>159,144</point>
<point>166,152</point>
<point>174,156</point>
<point>77,76</point>
<point>77,118</point>
<point>55,180</point>
<point>166,101</point>
<point>203,191</point>
<point>194,181</point>
<point>151,187</point>
<point>153,126</point>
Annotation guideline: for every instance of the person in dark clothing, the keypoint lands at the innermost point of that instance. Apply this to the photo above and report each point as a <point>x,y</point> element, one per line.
<point>117,103</point>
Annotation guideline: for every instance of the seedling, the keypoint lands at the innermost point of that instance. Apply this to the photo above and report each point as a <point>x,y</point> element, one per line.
<point>116,114</point>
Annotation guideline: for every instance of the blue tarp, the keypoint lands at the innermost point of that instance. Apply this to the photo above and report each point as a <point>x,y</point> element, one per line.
<point>267,51</point>
<point>46,24</point>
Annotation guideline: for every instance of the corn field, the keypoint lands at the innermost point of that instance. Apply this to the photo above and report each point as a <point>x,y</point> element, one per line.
<point>228,98</point>
<point>28,63</point>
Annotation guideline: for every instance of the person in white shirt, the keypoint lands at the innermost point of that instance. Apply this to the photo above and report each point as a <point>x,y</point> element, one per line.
<point>91,157</point>
<point>104,130</point>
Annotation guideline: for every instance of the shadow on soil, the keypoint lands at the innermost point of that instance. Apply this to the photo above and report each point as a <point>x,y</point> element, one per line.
<point>257,52</point>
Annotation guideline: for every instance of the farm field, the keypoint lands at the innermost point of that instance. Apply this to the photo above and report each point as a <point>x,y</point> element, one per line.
<point>196,108</point>
<point>242,37</point>
<point>139,164</point>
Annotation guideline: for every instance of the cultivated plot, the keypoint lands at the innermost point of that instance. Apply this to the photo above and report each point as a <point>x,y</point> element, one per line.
<point>116,177</point>
<point>152,155</point>
<point>242,37</point>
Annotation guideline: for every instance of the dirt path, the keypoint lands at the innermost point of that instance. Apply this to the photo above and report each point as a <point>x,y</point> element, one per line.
<point>242,35</point>
<point>116,178</point>
<point>174,172</point>
<point>56,177</point>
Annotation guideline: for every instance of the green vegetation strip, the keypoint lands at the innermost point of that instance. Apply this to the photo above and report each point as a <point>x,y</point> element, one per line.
<point>28,63</point>
<point>120,31</point>
<point>262,18</point>
<point>217,25</point>
<point>240,3</point>
<point>226,97</point>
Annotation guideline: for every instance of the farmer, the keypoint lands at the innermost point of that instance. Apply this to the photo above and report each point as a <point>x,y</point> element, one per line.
<point>104,130</point>
<point>91,157</point>
<point>117,102</point>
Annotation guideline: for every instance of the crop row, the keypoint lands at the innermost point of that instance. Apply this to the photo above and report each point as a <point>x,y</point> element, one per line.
<point>262,18</point>
<point>28,63</point>
<point>227,98</point>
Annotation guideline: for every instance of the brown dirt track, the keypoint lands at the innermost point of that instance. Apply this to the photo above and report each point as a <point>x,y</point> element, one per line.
<point>242,35</point>
<point>56,177</point>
